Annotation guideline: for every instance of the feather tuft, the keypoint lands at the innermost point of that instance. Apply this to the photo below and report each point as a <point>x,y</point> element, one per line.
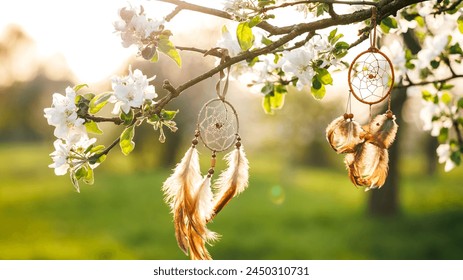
<point>344,134</point>
<point>179,193</point>
<point>383,129</point>
<point>233,180</point>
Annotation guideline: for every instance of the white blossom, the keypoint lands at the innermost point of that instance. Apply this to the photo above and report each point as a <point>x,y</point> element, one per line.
<point>229,42</point>
<point>135,28</point>
<point>396,53</point>
<point>70,155</point>
<point>60,157</point>
<point>433,47</point>
<point>444,152</point>
<point>299,63</point>
<point>437,116</point>
<point>63,116</point>
<point>238,8</point>
<point>131,91</point>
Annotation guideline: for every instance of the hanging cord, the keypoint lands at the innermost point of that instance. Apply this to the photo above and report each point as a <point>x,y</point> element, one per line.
<point>222,75</point>
<point>374,14</point>
<point>348,114</point>
<point>371,114</point>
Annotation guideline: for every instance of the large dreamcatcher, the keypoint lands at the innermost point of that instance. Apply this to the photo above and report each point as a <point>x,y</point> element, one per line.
<point>370,78</point>
<point>190,194</point>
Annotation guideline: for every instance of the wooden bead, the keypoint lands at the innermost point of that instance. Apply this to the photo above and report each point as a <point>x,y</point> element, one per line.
<point>213,161</point>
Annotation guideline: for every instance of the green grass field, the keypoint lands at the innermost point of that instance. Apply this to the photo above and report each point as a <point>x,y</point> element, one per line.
<point>287,213</point>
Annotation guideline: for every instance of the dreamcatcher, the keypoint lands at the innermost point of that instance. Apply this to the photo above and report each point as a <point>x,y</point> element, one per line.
<point>189,194</point>
<point>370,78</point>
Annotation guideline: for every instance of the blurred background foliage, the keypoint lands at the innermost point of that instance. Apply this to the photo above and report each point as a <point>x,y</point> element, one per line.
<point>300,203</point>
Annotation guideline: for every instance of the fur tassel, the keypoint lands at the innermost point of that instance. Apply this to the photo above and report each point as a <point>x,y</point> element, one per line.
<point>233,180</point>
<point>383,129</point>
<point>368,166</point>
<point>179,193</point>
<point>344,134</point>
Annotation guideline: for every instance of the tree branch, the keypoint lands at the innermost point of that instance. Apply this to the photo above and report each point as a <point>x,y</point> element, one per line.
<point>351,3</point>
<point>289,33</point>
<point>423,83</point>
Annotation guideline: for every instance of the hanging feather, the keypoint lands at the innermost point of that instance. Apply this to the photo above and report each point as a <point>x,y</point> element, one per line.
<point>198,233</point>
<point>233,180</point>
<point>383,129</point>
<point>368,166</point>
<point>343,134</point>
<point>179,191</point>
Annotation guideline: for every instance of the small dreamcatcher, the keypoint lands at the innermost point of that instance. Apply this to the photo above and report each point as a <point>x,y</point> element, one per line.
<point>189,194</point>
<point>370,79</point>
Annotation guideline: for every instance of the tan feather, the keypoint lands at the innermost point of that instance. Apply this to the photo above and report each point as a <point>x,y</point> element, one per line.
<point>383,128</point>
<point>233,180</point>
<point>368,166</point>
<point>198,233</point>
<point>343,134</point>
<point>179,191</point>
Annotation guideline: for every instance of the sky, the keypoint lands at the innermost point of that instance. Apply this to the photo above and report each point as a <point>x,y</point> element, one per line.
<point>81,31</point>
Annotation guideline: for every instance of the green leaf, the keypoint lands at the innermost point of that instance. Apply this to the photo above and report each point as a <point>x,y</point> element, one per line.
<point>428,96</point>
<point>255,21</point>
<point>420,20</point>
<point>263,3</point>
<point>456,49</point>
<point>332,34</point>
<point>155,57</point>
<point>244,36</point>
<point>324,76</point>
<point>89,179</point>
<point>168,115</point>
<point>446,86</point>
<point>267,88</point>
<point>92,127</point>
<point>126,118</point>
<point>316,83</point>
<point>446,98</point>
<point>460,24</point>
<point>340,49</point>
<point>267,104</point>
<point>387,24</point>
<point>266,41</point>
<point>456,157</point>
<point>98,102</point>
<point>277,101</point>
<point>460,103</point>
<point>435,64</point>
<point>79,87</point>
<point>318,90</point>
<point>443,135</point>
<point>126,141</point>
<point>81,173</point>
<point>97,149</point>
<point>168,48</point>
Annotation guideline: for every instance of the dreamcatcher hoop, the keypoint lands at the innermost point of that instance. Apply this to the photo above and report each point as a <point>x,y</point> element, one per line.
<point>371,76</point>
<point>218,125</point>
<point>371,73</point>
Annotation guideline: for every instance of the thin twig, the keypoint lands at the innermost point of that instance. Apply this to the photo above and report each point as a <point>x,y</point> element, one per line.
<point>170,16</point>
<point>423,83</point>
<point>458,132</point>
<point>114,120</point>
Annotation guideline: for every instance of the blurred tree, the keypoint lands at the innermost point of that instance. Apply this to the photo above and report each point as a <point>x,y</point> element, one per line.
<point>24,87</point>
